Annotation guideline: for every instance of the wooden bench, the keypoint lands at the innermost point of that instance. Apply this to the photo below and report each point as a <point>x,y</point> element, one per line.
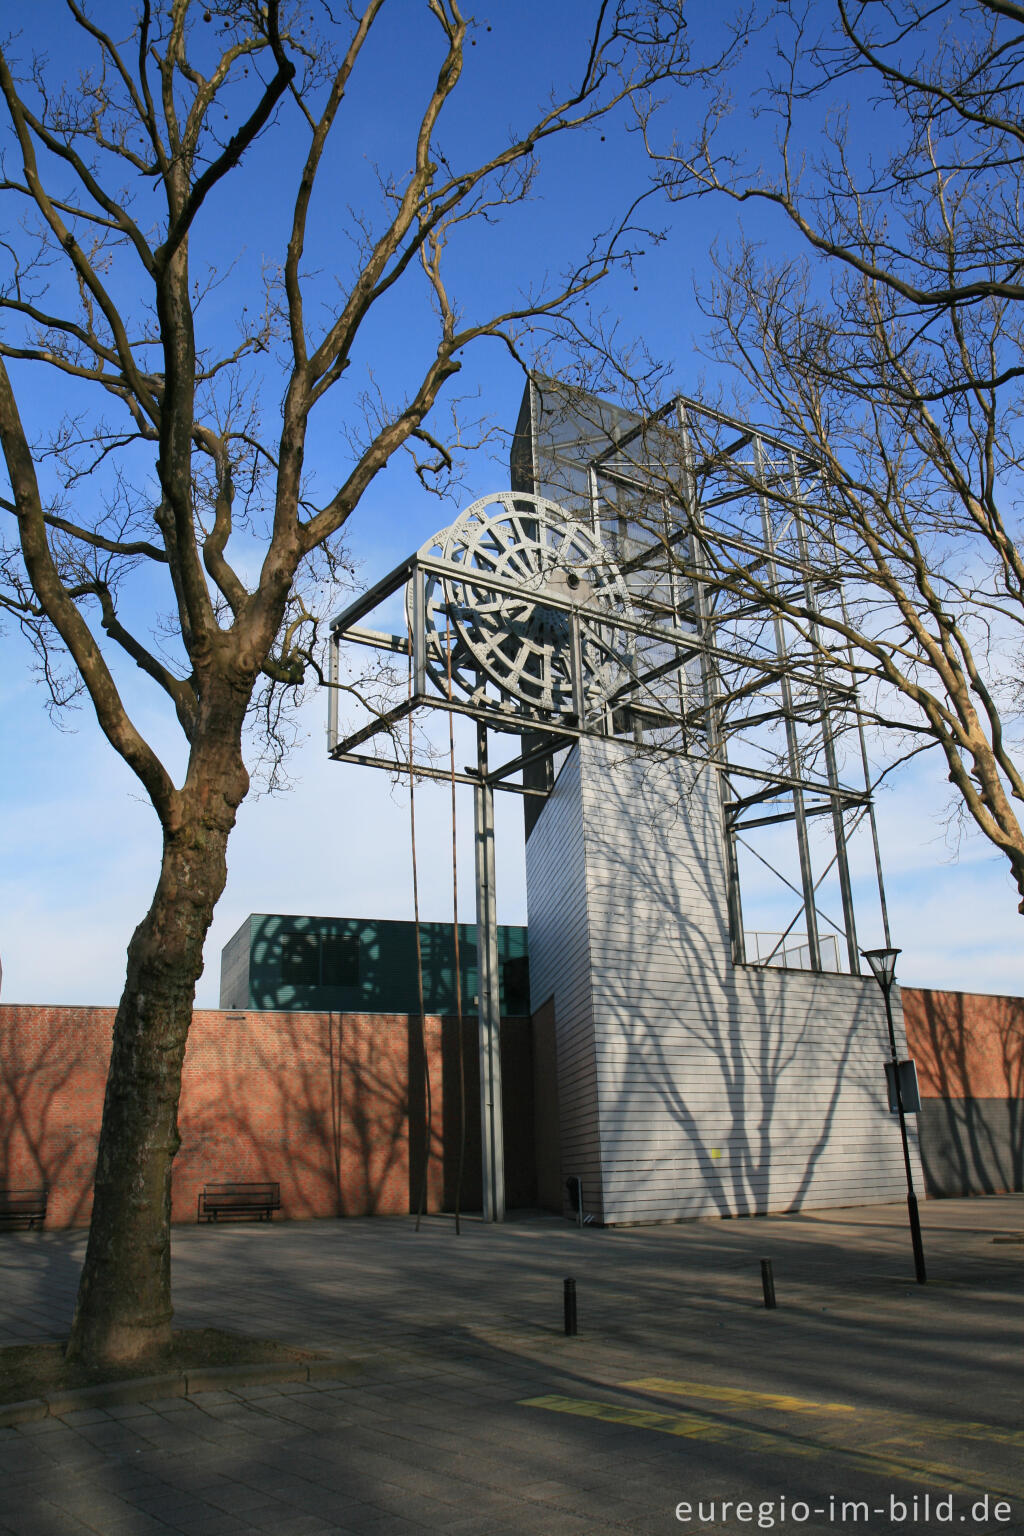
<point>238,1199</point>
<point>22,1207</point>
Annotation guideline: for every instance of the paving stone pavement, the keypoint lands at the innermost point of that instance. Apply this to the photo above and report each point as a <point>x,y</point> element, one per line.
<point>460,1406</point>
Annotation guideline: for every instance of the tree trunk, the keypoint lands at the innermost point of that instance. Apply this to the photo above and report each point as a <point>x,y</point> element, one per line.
<point>123,1312</point>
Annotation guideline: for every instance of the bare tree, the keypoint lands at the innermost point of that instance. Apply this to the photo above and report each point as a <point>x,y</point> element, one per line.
<point>887,353</point>
<point>149,478</point>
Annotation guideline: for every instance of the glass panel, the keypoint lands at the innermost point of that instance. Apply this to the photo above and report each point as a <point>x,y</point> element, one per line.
<point>300,959</point>
<point>339,960</point>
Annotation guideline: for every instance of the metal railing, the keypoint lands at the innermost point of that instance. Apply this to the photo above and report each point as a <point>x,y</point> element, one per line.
<point>790,951</point>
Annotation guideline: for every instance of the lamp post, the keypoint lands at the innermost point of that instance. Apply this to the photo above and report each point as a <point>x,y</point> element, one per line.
<point>883,968</point>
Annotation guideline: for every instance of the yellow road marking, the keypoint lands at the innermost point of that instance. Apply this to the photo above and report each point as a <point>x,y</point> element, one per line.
<point>691,1426</point>
<point>735,1395</point>
<point>697,1426</point>
<point>738,1397</point>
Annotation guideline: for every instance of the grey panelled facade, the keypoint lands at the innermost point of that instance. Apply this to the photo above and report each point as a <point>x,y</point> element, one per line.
<point>688,1085</point>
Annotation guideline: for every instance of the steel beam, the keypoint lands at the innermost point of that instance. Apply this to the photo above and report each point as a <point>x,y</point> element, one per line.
<point>712,703</point>
<point>828,742</point>
<point>488,992</point>
<point>384,722</point>
<point>792,742</point>
<point>332,695</point>
<point>373,596</point>
<point>418,637</point>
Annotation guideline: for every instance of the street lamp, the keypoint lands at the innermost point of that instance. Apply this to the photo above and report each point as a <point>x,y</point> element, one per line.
<point>883,968</point>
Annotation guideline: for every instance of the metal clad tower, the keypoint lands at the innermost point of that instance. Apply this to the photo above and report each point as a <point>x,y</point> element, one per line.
<point>693,1077</point>
<point>633,631</point>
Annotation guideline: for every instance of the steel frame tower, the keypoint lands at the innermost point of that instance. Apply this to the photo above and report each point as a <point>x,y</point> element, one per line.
<point>660,622</point>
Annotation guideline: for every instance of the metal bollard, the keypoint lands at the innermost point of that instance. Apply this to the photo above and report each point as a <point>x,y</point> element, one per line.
<point>569,1305</point>
<point>768,1283</point>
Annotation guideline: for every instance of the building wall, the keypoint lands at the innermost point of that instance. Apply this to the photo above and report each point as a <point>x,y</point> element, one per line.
<point>778,1072</point>
<point>53,1072</point>
<point>561,982</point>
<point>969,1049</point>
<point>332,1106</point>
<point>547,1139</point>
<point>234,968</point>
<point>689,1086</point>
<point>363,965</point>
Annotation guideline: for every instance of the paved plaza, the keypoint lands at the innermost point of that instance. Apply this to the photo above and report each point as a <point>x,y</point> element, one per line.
<point>452,1401</point>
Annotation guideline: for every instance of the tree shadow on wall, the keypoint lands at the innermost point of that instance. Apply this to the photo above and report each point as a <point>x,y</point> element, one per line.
<point>333,1107</point>
<point>731,1081</point>
<point>316,1102</point>
<point>972,1052</point>
<point>51,1093</point>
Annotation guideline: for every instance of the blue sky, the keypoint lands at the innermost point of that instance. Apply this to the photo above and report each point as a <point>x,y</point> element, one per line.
<point>78,843</point>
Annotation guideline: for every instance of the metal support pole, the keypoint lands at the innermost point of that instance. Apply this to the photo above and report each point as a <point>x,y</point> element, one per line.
<point>705,623</point>
<point>682,682</point>
<point>332,693</point>
<point>491,1134</point>
<point>419,633</point>
<point>594,493</point>
<point>828,740</point>
<point>866,767</point>
<point>912,1211</point>
<point>792,741</point>
<point>579,705</point>
<point>716,751</point>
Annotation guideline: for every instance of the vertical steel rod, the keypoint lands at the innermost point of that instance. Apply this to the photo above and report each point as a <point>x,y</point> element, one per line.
<point>712,706</point>
<point>332,693</point>
<point>579,703</point>
<point>871,804</point>
<point>828,742</point>
<point>594,493</point>
<point>419,632</point>
<point>489,996</point>
<point>792,742</point>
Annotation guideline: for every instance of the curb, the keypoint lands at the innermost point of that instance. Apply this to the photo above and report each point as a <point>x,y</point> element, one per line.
<point>144,1389</point>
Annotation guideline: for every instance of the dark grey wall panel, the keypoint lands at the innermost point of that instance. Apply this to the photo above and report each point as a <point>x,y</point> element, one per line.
<point>972,1146</point>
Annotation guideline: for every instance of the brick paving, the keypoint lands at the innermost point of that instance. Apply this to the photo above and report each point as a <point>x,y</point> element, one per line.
<point>460,1407</point>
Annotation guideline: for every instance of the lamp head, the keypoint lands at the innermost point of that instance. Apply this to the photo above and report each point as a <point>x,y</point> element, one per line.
<point>883,965</point>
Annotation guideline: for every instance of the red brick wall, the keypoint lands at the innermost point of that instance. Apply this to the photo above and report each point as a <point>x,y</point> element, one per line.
<point>967,1045</point>
<point>322,1103</point>
<point>53,1070</point>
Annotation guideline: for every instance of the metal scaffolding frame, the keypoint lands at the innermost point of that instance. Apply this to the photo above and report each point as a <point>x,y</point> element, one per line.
<point>725,529</point>
<point>646,643</point>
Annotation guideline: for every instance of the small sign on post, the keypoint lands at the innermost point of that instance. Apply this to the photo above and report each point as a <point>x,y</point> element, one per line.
<point>909,1090</point>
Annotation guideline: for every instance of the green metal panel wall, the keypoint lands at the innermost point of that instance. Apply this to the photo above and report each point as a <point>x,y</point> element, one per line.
<point>360,965</point>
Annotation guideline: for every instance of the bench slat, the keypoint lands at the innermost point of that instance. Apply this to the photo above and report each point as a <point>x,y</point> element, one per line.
<point>20,1205</point>
<point>238,1198</point>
